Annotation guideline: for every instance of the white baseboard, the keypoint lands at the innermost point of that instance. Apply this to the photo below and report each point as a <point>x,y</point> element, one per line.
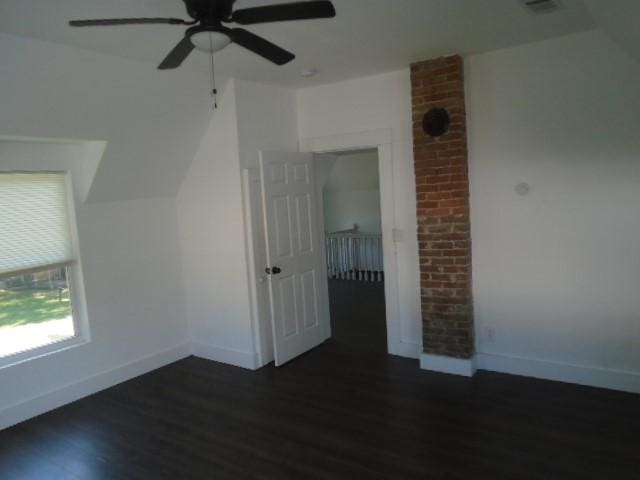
<point>69,393</point>
<point>229,356</point>
<point>591,376</point>
<point>456,366</point>
<point>563,372</point>
<point>409,349</point>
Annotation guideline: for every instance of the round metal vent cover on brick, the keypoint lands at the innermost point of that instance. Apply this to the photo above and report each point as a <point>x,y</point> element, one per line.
<point>436,122</point>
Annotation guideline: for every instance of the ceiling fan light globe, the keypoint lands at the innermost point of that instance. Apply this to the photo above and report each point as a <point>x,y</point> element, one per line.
<point>208,41</point>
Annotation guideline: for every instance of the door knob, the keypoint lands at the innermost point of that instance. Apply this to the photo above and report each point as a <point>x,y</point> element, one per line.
<point>272,270</point>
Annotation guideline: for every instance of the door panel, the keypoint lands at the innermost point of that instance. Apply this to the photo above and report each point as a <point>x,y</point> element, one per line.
<point>299,320</point>
<point>282,226</point>
<point>288,308</point>
<point>309,300</point>
<point>305,230</point>
<point>278,172</point>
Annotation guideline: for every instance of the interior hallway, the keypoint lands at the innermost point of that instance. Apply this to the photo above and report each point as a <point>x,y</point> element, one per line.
<point>358,314</point>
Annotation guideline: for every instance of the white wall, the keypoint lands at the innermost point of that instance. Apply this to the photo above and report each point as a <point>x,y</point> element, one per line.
<point>556,272</point>
<point>152,120</point>
<point>352,194</point>
<point>374,103</point>
<point>211,212</point>
<point>214,262</point>
<point>343,209</point>
<point>133,286</point>
<point>266,120</point>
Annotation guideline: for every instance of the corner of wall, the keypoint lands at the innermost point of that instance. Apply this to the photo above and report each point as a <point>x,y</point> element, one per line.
<point>210,197</point>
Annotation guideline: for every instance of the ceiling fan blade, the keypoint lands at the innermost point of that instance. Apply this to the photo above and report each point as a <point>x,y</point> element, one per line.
<point>260,46</point>
<point>177,55</point>
<point>284,11</point>
<point>126,21</point>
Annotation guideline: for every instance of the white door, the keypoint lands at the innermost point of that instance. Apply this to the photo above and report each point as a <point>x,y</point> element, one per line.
<point>294,254</point>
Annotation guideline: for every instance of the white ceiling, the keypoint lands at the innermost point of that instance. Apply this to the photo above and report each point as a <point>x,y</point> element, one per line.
<point>366,37</point>
<point>619,19</point>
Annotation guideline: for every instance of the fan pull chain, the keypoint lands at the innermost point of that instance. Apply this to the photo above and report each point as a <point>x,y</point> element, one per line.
<point>214,91</point>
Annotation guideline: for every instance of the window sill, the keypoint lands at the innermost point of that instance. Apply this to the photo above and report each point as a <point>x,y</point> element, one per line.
<point>44,351</point>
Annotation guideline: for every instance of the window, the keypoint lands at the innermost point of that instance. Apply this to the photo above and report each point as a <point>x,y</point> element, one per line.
<point>38,265</point>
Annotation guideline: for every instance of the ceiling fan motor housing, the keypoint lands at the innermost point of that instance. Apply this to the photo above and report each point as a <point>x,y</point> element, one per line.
<point>209,12</point>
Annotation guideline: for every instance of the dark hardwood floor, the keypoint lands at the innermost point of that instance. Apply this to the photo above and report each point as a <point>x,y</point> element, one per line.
<point>358,314</point>
<point>332,413</point>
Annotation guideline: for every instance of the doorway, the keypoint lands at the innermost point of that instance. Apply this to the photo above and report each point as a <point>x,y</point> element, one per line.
<point>280,181</point>
<point>349,198</point>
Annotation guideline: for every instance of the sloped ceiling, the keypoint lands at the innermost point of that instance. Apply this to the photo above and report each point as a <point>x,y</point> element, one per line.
<point>152,123</point>
<point>354,171</point>
<point>619,19</point>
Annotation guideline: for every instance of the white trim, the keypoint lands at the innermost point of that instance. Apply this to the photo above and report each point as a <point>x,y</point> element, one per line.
<point>612,379</point>
<point>323,287</point>
<point>22,138</point>
<point>456,366</point>
<point>77,295</point>
<point>346,141</point>
<point>238,358</point>
<point>69,393</point>
<point>382,140</point>
<point>42,351</point>
<point>409,349</point>
<point>548,370</point>
<point>563,372</point>
<point>252,274</point>
<point>77,292</point>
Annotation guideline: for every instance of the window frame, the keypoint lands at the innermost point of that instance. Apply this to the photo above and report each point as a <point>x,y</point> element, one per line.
<point>75,280</point>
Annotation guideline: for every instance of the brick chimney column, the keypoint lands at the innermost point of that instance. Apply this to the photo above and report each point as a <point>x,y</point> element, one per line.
<point>442,190</point>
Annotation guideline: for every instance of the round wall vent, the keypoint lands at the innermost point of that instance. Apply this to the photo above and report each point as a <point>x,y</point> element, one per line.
<point>436,122</point>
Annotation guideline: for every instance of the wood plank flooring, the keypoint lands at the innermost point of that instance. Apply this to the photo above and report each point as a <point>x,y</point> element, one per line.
<point>358,314</point>
<point>333,413</point>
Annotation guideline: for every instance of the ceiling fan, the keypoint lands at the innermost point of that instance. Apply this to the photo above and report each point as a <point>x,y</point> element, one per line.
<point>207,32</point>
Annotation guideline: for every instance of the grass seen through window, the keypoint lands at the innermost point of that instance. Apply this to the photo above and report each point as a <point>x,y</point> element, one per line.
<point>35,310</point>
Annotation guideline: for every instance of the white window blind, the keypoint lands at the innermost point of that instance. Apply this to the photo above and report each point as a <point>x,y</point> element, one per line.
<point>34,222</point>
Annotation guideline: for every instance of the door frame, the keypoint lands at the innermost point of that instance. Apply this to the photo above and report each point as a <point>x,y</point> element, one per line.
<point>380,140</point>
<point>258,291</point>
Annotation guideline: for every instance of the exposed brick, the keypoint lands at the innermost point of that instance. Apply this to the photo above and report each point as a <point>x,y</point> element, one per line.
<point>442,195</point>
